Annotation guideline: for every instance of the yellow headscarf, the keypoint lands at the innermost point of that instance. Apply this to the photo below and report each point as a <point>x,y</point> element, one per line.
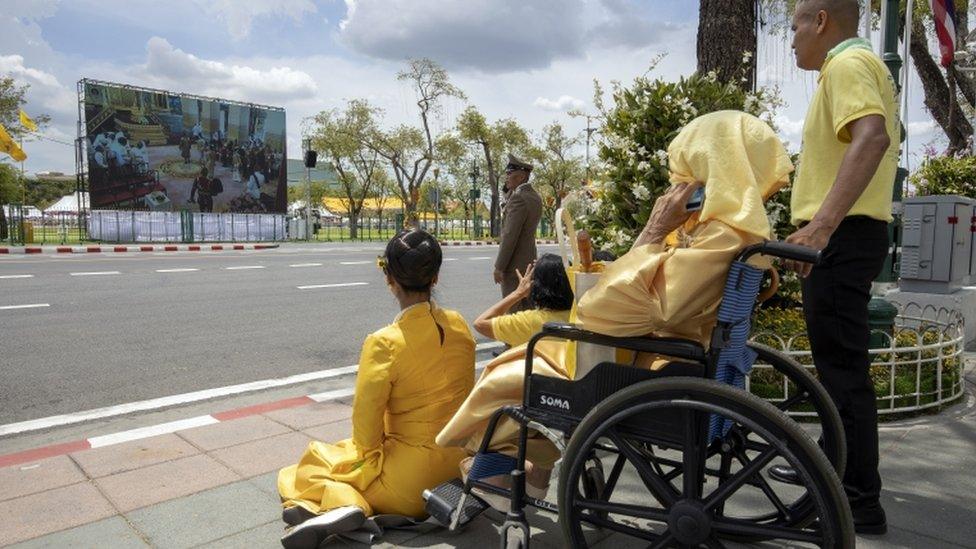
<point>741,161</point>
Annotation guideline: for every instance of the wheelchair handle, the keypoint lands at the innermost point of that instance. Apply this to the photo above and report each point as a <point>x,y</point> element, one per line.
<point>782,250</point>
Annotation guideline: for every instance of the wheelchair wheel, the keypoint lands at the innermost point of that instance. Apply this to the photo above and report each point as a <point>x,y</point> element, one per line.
<point>653,437</point>
<point>805,394</point>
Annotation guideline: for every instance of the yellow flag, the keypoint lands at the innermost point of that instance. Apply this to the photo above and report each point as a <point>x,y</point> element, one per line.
<point>7,145</point>
<point>26,122</point>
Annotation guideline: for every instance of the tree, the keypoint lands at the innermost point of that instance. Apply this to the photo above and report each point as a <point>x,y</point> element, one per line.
<point>727,40</point>
<point>559,170</point>
<point>341,136</point>
<point>495,140</point>
<point>410,150</point>
<point>12,100</point>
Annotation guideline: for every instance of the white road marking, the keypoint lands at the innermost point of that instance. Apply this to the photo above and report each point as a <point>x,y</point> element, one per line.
<point>186,398</point>
<point>450,259</point>
<point>17,276</point>
<point>478,258</point>
<point>96,273</point>
<point>151,431</point>
<point>168,401</point>
<point>344,284</point>
<point>306,265</point>
<point>355,262</point>
<point>31,306</point>
<point>241,268</point>
<point>176,270</point>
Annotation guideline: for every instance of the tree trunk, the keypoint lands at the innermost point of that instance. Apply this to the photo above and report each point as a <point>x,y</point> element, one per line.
<point>937,98</point>
<point>353,224</point>
<point>726,32</point>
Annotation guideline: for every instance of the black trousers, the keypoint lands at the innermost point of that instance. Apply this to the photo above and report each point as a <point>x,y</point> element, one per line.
<point>835,305</point>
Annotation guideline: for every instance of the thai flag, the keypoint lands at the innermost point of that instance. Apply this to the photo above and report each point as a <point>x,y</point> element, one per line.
<point>944,13</point>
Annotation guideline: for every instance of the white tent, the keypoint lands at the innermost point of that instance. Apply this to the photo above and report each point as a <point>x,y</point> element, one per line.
<point>299,206</point>
<point>30,212</point>
<point>68,203</point>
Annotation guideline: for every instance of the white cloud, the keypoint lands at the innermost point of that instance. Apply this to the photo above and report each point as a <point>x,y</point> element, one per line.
<point>787,126</point>
<point>564,103</point>
<point>921,128</point>
<point>170,66</point>
<point>239,15</point>
<point>14,66</point>
<point>489,35</point>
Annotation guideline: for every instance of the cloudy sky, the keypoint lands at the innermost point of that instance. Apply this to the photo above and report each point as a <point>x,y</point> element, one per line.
<point>532,60</point>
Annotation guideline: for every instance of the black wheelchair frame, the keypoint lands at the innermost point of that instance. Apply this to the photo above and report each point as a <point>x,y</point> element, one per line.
<point>552,404</point>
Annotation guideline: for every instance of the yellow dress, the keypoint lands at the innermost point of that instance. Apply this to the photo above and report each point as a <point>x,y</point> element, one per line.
<point>514,329</point>
<point>411,381</point>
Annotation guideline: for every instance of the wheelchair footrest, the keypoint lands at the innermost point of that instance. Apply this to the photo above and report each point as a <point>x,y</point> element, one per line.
<point>443,500</point>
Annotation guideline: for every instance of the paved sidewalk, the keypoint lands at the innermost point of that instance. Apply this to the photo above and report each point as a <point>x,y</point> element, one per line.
<point>214,486</point>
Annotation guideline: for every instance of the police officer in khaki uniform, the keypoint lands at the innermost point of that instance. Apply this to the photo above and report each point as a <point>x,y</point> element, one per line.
<point>520,218</point>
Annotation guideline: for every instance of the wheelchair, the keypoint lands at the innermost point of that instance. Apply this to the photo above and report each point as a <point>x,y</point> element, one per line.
<point>673,456</point>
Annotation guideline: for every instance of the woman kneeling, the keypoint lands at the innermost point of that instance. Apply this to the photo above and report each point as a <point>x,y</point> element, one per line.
<point>413,376</point>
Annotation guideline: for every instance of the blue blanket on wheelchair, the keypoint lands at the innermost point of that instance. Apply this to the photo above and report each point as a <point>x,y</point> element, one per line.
<point>734,322</point>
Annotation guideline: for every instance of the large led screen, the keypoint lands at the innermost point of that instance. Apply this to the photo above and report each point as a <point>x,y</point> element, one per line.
<point>162,151</point>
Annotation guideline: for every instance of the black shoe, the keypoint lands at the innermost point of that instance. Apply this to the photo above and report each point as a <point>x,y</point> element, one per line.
<point>784,474</point>
<point>309,534</point>
<point>296,515</point>
<point>870,520</point>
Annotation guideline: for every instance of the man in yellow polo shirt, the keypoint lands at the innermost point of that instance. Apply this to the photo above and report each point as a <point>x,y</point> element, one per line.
<point>842,205</point>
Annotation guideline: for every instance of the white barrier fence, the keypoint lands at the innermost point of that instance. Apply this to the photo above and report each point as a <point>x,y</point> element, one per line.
<point>132,226</point>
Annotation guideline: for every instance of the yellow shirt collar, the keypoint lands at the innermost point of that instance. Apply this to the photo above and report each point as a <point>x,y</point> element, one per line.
<point>415,309</point>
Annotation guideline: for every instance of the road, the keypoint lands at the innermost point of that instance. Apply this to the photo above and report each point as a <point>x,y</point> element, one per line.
<point>85,331</point>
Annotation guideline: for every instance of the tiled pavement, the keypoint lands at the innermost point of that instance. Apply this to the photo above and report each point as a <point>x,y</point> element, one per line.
<point>214,486</point>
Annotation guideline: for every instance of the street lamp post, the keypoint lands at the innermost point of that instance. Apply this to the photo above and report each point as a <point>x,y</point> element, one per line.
<point>437,202</point>
<point>308,191</point>
<point>474,194</point>
<point>881,312</point>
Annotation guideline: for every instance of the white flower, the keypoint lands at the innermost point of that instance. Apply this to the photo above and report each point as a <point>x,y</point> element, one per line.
<point>643,165</point>
<point>746,56</point>
<point>661,156</point>
<point>641,193</point>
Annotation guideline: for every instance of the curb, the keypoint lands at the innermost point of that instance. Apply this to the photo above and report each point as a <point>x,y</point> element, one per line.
<point>126,249</point>
<point>63,448</point>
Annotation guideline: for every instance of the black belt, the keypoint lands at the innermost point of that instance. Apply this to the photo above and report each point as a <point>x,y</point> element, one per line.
<point>851,219</point>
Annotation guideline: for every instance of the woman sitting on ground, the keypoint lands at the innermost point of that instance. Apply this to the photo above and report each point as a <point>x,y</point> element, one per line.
<point>546,286</point>
<point>413,375</point>
<point>664,287</point>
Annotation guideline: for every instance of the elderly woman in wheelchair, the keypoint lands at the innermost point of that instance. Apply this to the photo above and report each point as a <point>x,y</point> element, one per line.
<point>662,444</point>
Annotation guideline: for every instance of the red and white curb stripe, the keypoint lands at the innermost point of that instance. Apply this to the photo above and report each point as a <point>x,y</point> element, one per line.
<point>141,248</point>
<point>101,441</point>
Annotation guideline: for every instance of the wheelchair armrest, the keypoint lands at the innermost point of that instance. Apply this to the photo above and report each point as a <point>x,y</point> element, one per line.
<point>683,348</point>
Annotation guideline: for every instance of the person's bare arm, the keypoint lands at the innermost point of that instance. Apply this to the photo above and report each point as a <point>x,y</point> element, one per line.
<point>869,142</point>
<point>668,214</point>
<point>483,323</point>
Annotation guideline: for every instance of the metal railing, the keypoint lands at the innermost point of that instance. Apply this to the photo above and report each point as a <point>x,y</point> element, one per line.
<point>920,368</point>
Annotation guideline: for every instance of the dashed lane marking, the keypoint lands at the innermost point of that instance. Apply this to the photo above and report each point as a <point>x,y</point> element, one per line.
<point>244,267</point>
<point>29,306</point>
<point>176,270</point>
<point>342,285</point>
<point>96,273</point>
<point>355,262</point>
<point>306,265</point>
<point>16,276</point>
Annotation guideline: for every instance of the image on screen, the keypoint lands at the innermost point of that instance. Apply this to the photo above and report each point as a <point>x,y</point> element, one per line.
<point>161,151</point>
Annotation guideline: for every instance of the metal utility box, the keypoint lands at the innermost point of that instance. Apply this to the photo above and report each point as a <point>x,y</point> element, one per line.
<point>937,243</point>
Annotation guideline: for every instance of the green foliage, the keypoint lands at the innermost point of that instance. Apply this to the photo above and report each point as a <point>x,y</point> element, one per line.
<point>946,175</point>
<point>637,129</point>
<point>12,100</point>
